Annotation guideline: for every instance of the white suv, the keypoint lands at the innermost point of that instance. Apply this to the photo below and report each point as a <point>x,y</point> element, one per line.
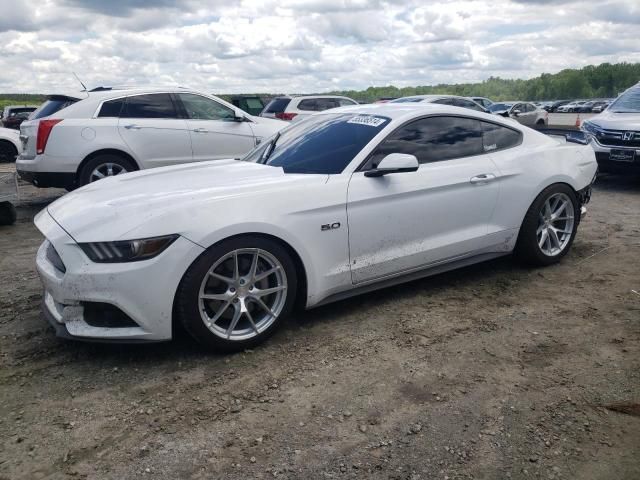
<point>290,108</point>
<point>108,132</point>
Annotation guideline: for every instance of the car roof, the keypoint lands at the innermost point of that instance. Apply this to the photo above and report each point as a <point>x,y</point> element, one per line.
<point>430,97</point>
<point>402,111</point>
<point>300,97</point>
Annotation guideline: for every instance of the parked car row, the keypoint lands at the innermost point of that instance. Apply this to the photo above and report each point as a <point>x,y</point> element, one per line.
<point>524,112</point>
<point>577,106</point>
<point>73,140</point>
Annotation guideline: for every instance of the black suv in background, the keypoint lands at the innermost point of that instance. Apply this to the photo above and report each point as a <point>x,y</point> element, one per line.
<point>13,116</point>
<point>252,104</point>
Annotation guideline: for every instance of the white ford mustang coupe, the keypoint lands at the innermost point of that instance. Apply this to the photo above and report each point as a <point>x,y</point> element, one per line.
<point>346,201</point>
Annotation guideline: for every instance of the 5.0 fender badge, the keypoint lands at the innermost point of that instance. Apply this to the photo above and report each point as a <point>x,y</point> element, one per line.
<point>330,226</point>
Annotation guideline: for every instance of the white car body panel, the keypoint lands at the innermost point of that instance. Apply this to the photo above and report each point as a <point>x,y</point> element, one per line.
<point>398,223</point>
<point>413,223</point>
<point>13,136</point>
<point>156,142</point>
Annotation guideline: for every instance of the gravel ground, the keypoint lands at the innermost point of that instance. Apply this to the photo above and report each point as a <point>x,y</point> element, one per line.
<point>490,372</point>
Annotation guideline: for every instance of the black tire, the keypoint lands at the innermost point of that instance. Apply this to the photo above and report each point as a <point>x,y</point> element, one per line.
<point>527,248</point>
<point>540,122</point>
<point>85,174</point>
<point>8,152</point>
<point>187,297</point>
<point>8,214</point>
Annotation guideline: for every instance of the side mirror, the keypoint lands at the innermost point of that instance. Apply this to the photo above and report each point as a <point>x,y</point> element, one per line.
<point>515,113</point>
<point>238,117</point>
<point>394,163</point>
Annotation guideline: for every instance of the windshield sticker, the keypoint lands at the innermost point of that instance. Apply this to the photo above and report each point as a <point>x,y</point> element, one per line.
<point>367,120</point>
<point>488,148</point>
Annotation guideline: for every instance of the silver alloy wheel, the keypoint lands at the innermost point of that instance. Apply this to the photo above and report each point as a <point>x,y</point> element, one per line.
<point>555,224</point>
<point>242,294</point>
<point>108,169</point>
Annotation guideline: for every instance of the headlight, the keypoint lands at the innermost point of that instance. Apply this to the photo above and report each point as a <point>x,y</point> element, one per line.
<point>590,128</point>
<point>127,250</point>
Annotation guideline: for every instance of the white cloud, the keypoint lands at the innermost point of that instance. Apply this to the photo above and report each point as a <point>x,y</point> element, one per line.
<point>305,45</point>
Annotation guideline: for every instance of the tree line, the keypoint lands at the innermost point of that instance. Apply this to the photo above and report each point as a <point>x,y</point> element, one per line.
<point>602,81</point>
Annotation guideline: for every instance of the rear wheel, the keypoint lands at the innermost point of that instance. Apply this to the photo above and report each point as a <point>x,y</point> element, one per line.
<point>235,295</point>
<point>102,166</point>
<point>549,226</point>
<point>8,152</point>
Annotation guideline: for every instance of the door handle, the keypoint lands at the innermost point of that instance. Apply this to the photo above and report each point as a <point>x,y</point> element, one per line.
<point>133,126</point>
<point>200,130</point>
<point>483,178</point>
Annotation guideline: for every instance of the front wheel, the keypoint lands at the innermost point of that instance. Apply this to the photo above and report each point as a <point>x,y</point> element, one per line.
<point>235,295</point>
<point>549,226</point>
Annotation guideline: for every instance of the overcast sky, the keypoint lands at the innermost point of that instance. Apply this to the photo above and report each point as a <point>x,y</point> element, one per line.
<point>304,45</point>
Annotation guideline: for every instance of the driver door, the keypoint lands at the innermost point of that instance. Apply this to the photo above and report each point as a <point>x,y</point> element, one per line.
<point>215,133</point>
<point>408,221</point>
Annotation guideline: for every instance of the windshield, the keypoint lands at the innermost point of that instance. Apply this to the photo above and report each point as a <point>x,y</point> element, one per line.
<point>497,107</point>
<point>628,102</point>
<point>323,144</point>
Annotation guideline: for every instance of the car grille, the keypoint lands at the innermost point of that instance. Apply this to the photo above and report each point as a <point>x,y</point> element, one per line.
<point>616,138</point>
<point>55,259</point>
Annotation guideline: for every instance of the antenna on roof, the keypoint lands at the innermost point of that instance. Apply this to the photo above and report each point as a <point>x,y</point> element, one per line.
<point>84,87</point>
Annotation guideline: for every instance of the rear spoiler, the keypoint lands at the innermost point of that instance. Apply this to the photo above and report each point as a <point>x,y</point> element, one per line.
<point>573,136</point>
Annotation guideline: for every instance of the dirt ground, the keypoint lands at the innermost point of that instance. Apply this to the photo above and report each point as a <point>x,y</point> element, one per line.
<point>491,372</point>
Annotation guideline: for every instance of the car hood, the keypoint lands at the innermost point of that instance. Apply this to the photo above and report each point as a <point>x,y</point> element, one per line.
<point>617,121</point>
<point>161,201</point>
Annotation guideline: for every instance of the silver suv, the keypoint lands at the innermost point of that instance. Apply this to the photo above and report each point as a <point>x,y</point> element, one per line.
<point>615,133</point>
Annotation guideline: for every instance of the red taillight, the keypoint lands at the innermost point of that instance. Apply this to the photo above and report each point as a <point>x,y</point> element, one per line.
<point>285,116</point>
<point>44,130</point>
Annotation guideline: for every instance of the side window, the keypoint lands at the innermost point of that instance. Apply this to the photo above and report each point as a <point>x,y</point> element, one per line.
<point>460,102</point>
<point>327,103</point>
<point>345,103</point>
<point>433,139</point>
<point>112,108</point>
<point>203,108</point>
<point>531,107</point>
<point>156,105</point>
<point>498,137</point>
<point>310,104</point>
<point>443,101</point>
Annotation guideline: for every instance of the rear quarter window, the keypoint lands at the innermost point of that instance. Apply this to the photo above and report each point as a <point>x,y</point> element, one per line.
<point>51,106</point>
<point>112,108</point>
<point>277,105</point>
<point>498,137</point>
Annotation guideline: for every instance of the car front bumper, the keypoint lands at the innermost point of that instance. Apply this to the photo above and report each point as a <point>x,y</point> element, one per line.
<point>142,292</point>
<point>606,164</point>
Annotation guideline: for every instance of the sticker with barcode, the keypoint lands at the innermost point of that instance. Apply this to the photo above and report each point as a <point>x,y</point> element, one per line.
<point>367,120</point>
